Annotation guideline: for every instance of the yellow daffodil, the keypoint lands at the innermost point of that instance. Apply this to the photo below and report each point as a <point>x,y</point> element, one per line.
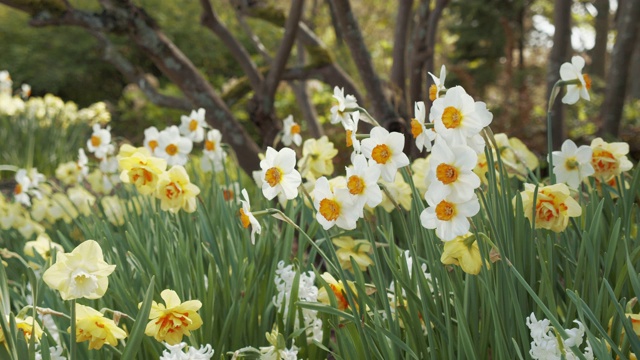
<point>113,209</point>
<point>516,156</point>
<point>609,159</point>
<point>68,173</point>
<point>171,321</point>
<point>43,246</point>
<point>463,251</point>
<point>29,328</point>
<point>357,249</point>
<point>92,326</point>
<point>176,191</point>
<point>142,170</point>
<point>337,287</point>
<point>317,158</point>
<point>82,199</point>
<point>83,273</point>
<point>553,208</point>
<point>400,193</point>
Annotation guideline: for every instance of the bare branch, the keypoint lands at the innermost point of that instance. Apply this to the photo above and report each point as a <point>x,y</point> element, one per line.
<point>254,38</point>
<point>362,58</point>
<point>212,22</point>
<point>126,68</point>
<point>279,63</point>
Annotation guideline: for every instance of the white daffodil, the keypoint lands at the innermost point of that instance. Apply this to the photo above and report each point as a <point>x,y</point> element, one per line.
<point>83,164</point>
<point>573,71</point>
<point>279,173</point>
<point>335,207</point>
<point>247,218</point>
<point>449,218</point>
<point>609,159</point>
<point>23,184</point>
<point>452,171</point>
<point>172,147</point>
<point>362,184</point>
<point>25,91</point>
<point>384,150</point>
<point>291,132</point>
<point>214,155</point>
<point>351,128</point>
<point>457,118</point>
<point>438,84</point>
<point>100,142</point>
<point>423,136</point>
<point>346,104</point>
<point>151,135</point>
<point>5,83</point>
<point>192,126</point>
<point>572,164</point>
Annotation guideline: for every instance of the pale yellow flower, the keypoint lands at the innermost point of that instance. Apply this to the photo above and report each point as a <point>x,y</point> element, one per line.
<point>357,249</point>
<point>92,326</point>
<point>61,208</point>
<point>29,328</point>
<point>516,156</point>
<point>553,208</point>
<point>400,193</point>
<point>81,199</point>
<point>420,168</point>
<point>83,273</point>
<point>173,319</point>
<point>99,182</point>
<point>142,170</point>
<point>113,209</point>
<point>68,173</point>
<point>176,191</point>
<point>317,158</point>
<point>609,159</point>
<point>463,251</point>
<point>43,246</point>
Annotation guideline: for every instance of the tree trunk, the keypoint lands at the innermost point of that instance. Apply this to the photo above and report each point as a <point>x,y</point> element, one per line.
<point>561,42</point>
<point>634,86</point>
<point>599,51</point>
<point>380,105</point>
<point>418,54</point>
<point>432,30</point>
<point>398,72</point>
<point>611,111</point>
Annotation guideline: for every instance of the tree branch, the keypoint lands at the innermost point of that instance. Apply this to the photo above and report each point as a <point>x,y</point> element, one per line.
<point>416,57</point>
<point>398,74</point>
<point>381,107</point>
<point>126,68</point>
<point>279,63</point>
<point>210,20</point>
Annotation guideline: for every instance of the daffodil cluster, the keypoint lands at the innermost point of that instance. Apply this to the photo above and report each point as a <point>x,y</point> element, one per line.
<point>545,342</point>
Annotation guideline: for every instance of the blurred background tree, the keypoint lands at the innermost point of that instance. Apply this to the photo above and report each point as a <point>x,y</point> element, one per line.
<point>255,67</point>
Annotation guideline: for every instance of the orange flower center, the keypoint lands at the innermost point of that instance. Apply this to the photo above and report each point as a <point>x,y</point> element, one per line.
<point>547,207</point>
<point>603,161</point>
<point>341,300</point>
<point>295,129</point>
<point>356,185</point>
<point>416,128</point>
<point>18,189</point>
<point>141,176</point>
<point>209,145</point>
<point>95,140</point>
<point>349,139</point>
<point>451,117</point>
<point>153,144</point>
<point>330,209</point>
<point>446,173</point>
<point>193,125</point>
<point>171,149</point>
<point>381,154</point>
<point>445,210</point>
<point>244,218</point>
<point>433,92</point>
<point>273,176</point>
<point>587,81</point>
<point>172,191</point>
<point>228,195</point>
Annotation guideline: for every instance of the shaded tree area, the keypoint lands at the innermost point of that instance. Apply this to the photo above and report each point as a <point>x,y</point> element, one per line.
<point>250,63</point>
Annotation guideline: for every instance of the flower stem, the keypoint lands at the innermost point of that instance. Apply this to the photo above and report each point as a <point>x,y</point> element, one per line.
<point>73,345</point>
<point>552,98</point>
